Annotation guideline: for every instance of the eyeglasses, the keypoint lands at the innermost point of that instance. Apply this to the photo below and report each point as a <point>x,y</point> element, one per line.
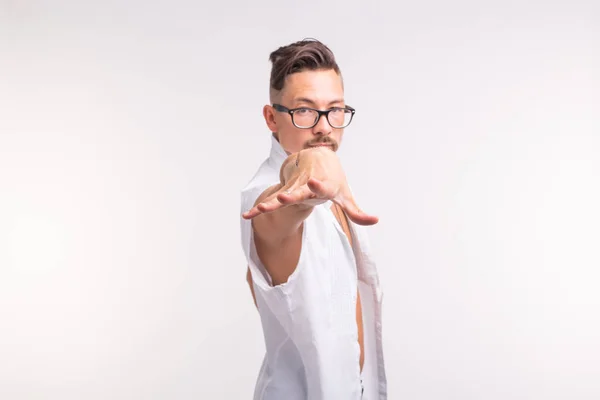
<point>306,118</point>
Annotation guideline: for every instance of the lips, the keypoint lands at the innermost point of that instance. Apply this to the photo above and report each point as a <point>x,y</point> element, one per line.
<point>330,145</point>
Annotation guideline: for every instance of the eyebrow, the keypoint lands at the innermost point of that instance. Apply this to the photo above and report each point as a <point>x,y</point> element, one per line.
<point>307,100</point>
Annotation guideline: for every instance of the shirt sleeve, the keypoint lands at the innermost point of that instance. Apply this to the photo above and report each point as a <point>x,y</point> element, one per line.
<point>259,274</point>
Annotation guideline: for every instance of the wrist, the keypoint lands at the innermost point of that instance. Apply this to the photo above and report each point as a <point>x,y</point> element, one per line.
<point>288,166</point>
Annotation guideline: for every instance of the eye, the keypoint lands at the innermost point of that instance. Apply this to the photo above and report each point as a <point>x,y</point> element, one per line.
<point>303,111</point>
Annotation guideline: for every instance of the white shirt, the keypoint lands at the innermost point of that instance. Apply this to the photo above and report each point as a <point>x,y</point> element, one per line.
<point>309,322</point>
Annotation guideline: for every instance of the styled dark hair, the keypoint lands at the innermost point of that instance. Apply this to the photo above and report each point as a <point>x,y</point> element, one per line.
<point>305,55</point>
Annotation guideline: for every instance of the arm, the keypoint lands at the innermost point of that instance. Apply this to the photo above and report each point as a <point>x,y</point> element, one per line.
<point>308,178</point>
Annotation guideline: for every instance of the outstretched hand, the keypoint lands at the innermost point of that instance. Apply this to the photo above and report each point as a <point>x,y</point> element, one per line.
<point>309,178</point>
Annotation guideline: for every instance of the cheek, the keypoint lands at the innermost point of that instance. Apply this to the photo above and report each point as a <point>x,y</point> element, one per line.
<point>337,136</point>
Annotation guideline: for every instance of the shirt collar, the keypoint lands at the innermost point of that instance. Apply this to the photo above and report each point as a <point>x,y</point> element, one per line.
<point>278,154</point>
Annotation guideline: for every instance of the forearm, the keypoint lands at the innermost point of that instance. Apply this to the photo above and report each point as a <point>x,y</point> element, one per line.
<point>307,179</point>
<point>275,227</point>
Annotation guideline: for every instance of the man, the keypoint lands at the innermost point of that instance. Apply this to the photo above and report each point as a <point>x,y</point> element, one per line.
<point>309,267</point>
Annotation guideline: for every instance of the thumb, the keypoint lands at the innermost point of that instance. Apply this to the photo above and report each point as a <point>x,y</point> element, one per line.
<point>356,215</point>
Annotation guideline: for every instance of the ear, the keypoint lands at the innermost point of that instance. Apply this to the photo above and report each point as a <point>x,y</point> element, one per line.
<point>269,114</point>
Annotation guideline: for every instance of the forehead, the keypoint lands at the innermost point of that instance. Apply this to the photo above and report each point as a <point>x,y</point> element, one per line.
<point>321,86</point>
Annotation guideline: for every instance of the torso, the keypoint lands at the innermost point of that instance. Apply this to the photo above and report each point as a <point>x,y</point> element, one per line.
<point>342,219</point>
<point>287,258</point>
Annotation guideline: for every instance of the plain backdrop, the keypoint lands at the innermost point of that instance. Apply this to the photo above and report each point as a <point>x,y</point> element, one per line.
<point>128,129</point>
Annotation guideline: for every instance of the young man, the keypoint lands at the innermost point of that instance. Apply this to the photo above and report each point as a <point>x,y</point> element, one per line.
<point>310,269</point>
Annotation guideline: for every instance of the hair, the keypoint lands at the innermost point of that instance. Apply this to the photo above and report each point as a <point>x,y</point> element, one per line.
<point>305,55</point>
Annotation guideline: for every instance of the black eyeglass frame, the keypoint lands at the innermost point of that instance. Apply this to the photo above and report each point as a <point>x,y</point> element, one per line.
<point>291,111</point>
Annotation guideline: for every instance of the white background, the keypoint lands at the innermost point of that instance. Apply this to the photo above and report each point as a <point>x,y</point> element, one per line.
<point>128,128</point>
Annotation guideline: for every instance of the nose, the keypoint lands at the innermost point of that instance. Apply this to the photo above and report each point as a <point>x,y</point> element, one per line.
<point>322,127</point>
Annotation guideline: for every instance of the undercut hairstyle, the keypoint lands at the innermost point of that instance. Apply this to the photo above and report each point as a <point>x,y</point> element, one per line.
<point>305,55</point>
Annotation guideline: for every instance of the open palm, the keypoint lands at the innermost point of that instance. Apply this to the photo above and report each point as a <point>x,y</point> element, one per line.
<point>317,178</point>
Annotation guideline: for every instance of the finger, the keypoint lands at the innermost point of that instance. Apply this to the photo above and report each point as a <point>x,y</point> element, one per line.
<point>322,189</point>
<point>356,215</point>
<point>267,205</point>
<point>295,196</point>
<point>361,218</point>
<point>271,202</point>
<point>261,208</point>
<point>253,212</point>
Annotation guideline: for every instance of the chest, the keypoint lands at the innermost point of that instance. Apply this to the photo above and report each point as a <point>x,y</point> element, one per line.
<point>341,218</point>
